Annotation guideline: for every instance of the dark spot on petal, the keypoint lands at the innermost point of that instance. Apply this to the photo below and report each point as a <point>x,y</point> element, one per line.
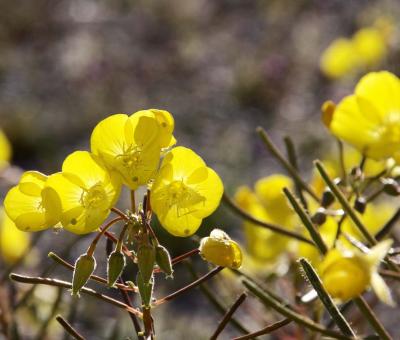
<point>74,221</point>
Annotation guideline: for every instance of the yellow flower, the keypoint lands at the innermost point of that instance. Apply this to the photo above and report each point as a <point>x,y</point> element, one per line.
<point>338,59</point>
<point>13,242</point>
<point>30,205</point>
<point>220,250</point>
<point>5,150</point>
<point>87,192</point>
<point>184,192</point>
<point>131,145</point>
<point>346,274</point>
<point>369,119</point>
<point>369,46</point>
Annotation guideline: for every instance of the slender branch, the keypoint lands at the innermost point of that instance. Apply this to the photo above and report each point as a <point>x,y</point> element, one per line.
<point>228,315</point>
<point>371,317</point>
<point>120,213</point>
<point>291,154</point>
<point>315,235</point>
<point>289,168</point>
<point>180,258</point>
<point>267,330</point>
<point>215,301</point>
<point>99,279</point>
<point>64,284</point>
<point>93,245</point>
<point>300,319</point>
<point>209,275</point>
<point>341,162</point>
<point>323,295</point>
<point>278,229</point>
<point>344,203</point>
<point>68,328</point>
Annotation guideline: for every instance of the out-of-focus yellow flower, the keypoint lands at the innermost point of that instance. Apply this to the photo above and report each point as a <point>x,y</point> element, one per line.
<point>267,203</point>
<point>131,145</point>
<point>13,242</point>
<point>221,250</point>
<point>87,192</point>
<point>184,192</point>
<point>338,59</point>
<point>32,206</point>
<point>369,119</point>
<point>346,274</point>
<point>5,150</point>
<point>370,46</point>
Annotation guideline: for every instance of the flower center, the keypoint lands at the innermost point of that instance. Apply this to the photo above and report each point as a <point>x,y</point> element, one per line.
<point>183,197</point>
<point>95,197</point>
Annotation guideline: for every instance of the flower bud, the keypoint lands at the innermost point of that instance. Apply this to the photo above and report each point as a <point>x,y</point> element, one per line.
<point>84,267</point>
<point>391,187</point>
<point>146,257</point>
<point>145,289</point>
<point>319,217</point>
<point>163,260</point>
<point>360,204</point>
<point>327,198</point>
<point>115,266</point>
<point>220,250</point>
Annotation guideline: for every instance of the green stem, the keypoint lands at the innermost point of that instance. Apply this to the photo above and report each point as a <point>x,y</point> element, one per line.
<point>300,319</point>
<point>371,317</point>
<point>278,229</point>
<point>315,235</point>
<point>289,168</point>
<point>330,306</point>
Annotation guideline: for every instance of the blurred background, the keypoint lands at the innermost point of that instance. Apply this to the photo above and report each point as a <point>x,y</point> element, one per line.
<point>220,67</point>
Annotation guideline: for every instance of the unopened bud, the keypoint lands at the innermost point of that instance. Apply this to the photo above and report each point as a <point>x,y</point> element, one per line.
<point>163,260</point>
<point>115,266</point>
<point>145,289</point>
<point>327,198</point>
<point>360,204</point>
<point>220,250</point>
<point>146,257</point>
<point>319,217</point>
<point>391,187</point>
<point>84,267</point>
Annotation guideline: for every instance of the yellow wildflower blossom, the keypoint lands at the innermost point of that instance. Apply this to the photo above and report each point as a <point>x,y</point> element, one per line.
<point>221,250</point>
<point>13,242</point>
<point>5,150</point>
<point>32,206</point>
<point>369,119</point>
<point>341,267</point>
<point>87,192</point>
<point>370,46</point>
<point>131,145</point>
<point>184,192</point>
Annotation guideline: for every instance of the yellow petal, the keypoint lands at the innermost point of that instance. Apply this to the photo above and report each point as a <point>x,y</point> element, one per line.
<point>381,289</point>
<point>32,183</point>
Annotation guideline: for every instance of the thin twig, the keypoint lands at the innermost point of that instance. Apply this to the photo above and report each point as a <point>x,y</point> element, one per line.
<point>289,168</point>
<point>323,295</point>
<point>68,328</point>
<point>371,317</point>
<point>120,213</point>
<point>341,161</point>
<point>59,283</point>
<point>209,275</point>
<point>278,229</point>
<point>305,218</point>
<point>228,315</point>
<point>215,301</point>
<point>291,155</point>
<point>300,319</point>
<point>179,258</point>
<point>267,330</point>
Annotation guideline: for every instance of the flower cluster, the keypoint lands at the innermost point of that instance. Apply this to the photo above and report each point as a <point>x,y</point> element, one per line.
<point>125,150</point>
